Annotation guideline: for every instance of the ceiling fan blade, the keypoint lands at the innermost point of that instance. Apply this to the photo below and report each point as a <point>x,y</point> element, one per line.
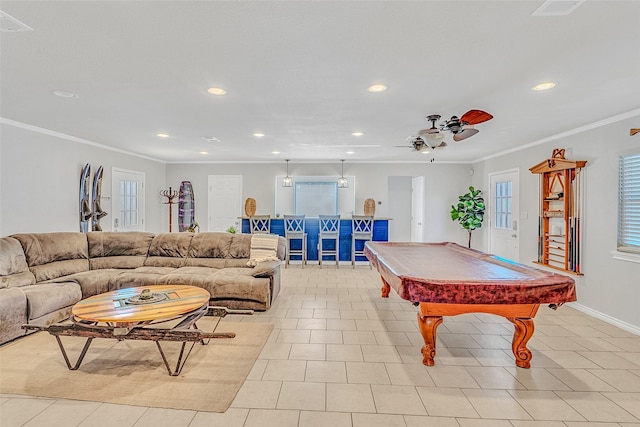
<point>464,134</point>
<point>473,117</point>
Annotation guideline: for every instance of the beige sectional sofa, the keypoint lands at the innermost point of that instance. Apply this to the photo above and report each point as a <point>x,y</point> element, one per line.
<point>42,275</point>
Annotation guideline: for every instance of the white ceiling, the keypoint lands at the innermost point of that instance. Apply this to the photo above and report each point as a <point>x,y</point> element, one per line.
<point>298,72</point>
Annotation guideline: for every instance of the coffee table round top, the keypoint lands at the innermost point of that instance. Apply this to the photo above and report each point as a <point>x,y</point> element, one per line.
<point>120,306</point>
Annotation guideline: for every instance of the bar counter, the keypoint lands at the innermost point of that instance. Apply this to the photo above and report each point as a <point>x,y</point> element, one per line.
<point>312,228</point>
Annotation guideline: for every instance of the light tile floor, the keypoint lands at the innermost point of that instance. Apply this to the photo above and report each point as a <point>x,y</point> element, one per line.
<point>342,356</point>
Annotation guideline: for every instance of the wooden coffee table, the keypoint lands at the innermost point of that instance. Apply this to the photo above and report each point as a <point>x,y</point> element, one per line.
<point>153,313</point>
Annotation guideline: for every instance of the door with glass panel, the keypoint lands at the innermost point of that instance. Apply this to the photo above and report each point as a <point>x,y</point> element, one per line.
<point>504,214</point>
<point>127,189</point>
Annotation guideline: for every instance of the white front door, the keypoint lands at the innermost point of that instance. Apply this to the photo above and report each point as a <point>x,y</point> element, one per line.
<point>504,214</point>
<point>225,202</point>
<point>417,209</point>
<point>127,190</point>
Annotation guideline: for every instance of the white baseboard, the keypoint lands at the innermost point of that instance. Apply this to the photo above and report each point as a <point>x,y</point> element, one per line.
<point>605,317</point>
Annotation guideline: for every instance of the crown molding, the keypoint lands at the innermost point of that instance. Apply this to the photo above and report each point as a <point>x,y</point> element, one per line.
<point>585,128</point>
<point>71,138</point>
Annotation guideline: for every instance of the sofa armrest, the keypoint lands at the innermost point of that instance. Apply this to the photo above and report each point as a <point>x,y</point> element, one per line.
<point>266,268</point>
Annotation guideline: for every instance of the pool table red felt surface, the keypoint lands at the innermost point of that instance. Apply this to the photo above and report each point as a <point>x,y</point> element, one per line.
<point>448,279</point>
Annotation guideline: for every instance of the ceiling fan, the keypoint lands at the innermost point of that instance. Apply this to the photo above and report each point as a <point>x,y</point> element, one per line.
<point>461,127</point>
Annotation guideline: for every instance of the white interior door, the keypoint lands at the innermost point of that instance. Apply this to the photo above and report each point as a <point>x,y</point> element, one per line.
<point>417,209</point>
<point>504,214</point>
<point>127,200</point>
<point>225,202</point>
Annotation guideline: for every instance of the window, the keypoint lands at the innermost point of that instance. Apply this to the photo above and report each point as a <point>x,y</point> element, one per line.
<point>629,203</point>
<point>316,198</point>
<point>503,204</point>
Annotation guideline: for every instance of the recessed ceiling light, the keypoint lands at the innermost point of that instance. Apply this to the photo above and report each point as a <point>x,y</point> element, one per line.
<point>275,152</point>
<point>357,133</point>
<point>350,152</point>
<point>204,152</point>
<point>543,86</point>
<point>63,94</point>
<point>162,134</point>
<point>258,134</point>
<point>216,91</point>
<point>378,87</point>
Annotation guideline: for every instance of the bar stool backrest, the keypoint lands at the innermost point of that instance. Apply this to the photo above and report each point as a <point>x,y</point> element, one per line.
<point>294,225</point>
<point>329,225</point>
<point>260,224</point>
<point>362,226</point>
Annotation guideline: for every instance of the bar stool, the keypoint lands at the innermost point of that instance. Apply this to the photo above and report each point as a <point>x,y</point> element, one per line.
<point>260,224</point>
<point>329,230</point>
<point>294,229</point>
<point>361,231</point>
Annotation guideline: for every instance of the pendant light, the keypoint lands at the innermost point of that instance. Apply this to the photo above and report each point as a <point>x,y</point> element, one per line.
<point>342,181</point>
<point>287,181</point>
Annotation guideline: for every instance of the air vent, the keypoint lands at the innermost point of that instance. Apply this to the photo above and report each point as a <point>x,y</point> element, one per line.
<point>557,7</point>
<point>211,139</point>
<point>9,24</point>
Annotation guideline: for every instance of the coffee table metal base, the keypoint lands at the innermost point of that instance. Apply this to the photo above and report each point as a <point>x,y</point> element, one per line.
<point>185,331</point>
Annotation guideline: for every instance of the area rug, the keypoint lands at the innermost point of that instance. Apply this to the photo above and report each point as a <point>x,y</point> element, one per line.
<point>132,372</point>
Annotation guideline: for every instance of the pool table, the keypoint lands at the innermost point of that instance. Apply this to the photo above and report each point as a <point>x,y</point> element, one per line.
<point>446,279</point>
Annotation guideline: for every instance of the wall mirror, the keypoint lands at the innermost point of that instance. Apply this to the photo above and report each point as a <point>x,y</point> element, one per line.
<point>315,195</point>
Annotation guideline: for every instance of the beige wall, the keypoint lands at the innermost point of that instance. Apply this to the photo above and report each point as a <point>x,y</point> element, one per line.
<point>443,184</point>
<point>40,179</point>
<point>609,286</point>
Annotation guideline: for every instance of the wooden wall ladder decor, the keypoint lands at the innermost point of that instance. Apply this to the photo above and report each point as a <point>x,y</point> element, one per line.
<point>559,229</point>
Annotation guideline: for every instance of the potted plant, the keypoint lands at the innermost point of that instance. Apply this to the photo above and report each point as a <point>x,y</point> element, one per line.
<point>231,230</point>
<point>469,211</point>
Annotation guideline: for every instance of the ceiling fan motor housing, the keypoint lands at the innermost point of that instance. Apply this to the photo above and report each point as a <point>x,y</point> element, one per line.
<point>453,124</point>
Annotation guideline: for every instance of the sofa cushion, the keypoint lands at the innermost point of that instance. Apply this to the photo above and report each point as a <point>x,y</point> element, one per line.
<point>142,276</point>
<point>238,284</point>
<point>47,298</point>
<point>193,276</point>
<point>240,246</point>
<point>212,245</point>
<point>14,270</point>
<point>118,250</point>
<point>13,313</point>
<point>169,250</point>
<point>92,282</point>
<point>53,255</point>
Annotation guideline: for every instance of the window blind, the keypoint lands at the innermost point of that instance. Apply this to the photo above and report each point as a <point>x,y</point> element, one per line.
<point>629,203</point>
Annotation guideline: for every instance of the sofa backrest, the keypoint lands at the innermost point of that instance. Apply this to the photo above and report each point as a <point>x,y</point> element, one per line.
<point>168,250</point>
<point>14,270</point>
<point>118,250</point>
<point>210,249</point>
<point>53,255</point>
<point>222,250</point>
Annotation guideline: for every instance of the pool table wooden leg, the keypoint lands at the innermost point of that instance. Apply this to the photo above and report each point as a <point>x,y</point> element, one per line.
<point>385,289</point>
<point>428,326</point>
<point>524,331</point>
